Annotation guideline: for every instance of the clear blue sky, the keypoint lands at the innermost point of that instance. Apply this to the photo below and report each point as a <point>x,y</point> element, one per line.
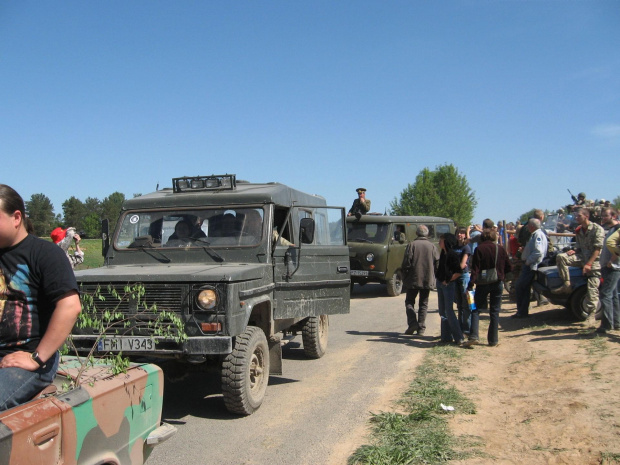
<point>523,97</point>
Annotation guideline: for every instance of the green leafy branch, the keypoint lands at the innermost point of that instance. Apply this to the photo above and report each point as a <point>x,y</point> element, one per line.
<point>111,321</point>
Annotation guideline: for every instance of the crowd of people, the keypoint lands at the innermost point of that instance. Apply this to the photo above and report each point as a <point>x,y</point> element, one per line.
<point>472,257</point>
<point>479,259</point>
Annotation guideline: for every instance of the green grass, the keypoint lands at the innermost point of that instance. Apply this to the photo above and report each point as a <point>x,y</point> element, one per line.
<point>92,254</point>
<point>608,458</point>
<point>421,434</point>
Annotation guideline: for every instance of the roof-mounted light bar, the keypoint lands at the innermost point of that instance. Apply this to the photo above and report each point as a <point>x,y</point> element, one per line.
<point>204,183</point>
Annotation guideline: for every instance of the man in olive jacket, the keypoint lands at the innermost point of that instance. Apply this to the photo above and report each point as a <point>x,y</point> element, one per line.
<point>421,257</point>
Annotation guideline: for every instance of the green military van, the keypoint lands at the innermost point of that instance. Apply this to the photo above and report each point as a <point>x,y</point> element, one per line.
<point>377,246</point>
<point>239,263</point>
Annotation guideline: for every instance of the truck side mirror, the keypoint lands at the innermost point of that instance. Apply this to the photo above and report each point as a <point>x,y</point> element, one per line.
<point>105,237</point>
<point>306,231</point>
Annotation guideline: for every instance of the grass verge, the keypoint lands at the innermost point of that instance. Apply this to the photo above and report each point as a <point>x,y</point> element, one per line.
<point>421,434</point>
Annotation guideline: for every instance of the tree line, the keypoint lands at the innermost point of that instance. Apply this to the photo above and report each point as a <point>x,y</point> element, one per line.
<point>443,192</point>
<point>84,216</point>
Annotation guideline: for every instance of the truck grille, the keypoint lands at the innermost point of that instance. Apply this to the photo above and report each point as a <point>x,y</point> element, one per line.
<point>355,264</point>
<point>169,297</point>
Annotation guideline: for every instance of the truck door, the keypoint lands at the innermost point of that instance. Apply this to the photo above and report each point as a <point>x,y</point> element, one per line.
<point>396,249</point>
<point>313,279</point>
<point>32,433</point>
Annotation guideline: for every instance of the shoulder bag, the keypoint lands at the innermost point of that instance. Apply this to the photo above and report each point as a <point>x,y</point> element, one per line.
<point>489,276</point>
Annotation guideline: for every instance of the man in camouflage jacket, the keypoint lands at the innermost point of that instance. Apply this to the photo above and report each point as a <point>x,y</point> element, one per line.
<point>589,237</point>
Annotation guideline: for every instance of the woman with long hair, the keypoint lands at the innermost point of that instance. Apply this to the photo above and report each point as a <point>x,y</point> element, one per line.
<point>448,272</point>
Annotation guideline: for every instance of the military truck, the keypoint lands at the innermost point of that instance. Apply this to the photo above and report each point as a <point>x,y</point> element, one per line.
<point>377,246</point>
<point>240,263</point>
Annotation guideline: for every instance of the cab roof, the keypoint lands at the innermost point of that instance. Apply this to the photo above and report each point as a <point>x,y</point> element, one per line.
<point>398,219</point>
<point>244,193</point>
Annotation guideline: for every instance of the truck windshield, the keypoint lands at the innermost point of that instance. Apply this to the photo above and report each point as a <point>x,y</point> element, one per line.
<point>367,232</point>
<point>222,227</point>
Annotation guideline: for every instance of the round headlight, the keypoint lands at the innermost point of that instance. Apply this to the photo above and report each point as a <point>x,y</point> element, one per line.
<point>370,257</point>
<point>207,299</point>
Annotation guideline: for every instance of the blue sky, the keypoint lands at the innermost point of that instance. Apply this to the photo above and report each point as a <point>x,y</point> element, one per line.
<point>523,97</point>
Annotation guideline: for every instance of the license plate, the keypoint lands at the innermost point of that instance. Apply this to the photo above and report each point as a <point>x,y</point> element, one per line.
<point>359,273</point>
<point>126,344</point>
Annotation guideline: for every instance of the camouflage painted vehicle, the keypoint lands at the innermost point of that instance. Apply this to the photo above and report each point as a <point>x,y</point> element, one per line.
<point>239,264</point>
<point>107,420</point>
<point>376,248</point>
<point>548,278</point>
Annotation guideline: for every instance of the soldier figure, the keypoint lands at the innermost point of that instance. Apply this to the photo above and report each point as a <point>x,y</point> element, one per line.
<point>361,205</point>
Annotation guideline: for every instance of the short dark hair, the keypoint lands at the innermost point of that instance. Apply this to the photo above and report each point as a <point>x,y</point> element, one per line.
<point>584,211</point>
<point>488,235</point>
<point>488,224</point>
<point>11,201</point>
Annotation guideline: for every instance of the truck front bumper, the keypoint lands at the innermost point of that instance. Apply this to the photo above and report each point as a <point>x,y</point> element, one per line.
<point>195,345</point>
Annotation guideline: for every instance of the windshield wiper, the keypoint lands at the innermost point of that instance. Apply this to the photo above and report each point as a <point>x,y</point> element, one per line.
<point>146,242</point>
<point>207,248</point>
<point>152,251</point>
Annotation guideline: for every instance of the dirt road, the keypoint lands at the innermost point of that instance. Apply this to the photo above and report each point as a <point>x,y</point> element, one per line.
<point>317,412</point>
<point>548,394</point>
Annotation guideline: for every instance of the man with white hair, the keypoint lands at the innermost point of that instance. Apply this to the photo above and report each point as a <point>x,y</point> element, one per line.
<point>418,267</point>
<point>533,253</point>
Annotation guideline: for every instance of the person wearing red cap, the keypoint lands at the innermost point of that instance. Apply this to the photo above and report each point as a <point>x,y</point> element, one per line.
<point>63,238</point>
<point>39,304</point>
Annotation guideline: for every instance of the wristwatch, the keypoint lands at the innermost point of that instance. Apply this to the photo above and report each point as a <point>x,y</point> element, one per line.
<point>35,356</point>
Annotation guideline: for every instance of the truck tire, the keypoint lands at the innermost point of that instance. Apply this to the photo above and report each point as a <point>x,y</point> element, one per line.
<point>577,303</point>
<point>315,333</point>
<point>245,372</point>
<point>395,284</point>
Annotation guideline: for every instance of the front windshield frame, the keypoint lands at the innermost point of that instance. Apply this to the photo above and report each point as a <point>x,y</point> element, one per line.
<point>188,228</point>
<point>374,233</point>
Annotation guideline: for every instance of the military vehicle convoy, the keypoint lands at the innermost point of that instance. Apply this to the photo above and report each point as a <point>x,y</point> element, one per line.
<point>377,248</point>
<point>239,263</point>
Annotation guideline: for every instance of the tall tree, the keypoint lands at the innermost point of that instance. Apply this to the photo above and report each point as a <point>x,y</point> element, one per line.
<point>91,226</point>
<point>74,212</point>
<point>93,205</point>
<point>442,192</point>
<point>111,208</point>
<point>41,212</point>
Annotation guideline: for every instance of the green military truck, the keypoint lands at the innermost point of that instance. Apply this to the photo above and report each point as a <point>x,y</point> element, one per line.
<point>239,263</point>
<point>377,246</point>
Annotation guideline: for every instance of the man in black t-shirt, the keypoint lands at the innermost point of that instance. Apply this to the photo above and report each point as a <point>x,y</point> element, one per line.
<point>39,304</point>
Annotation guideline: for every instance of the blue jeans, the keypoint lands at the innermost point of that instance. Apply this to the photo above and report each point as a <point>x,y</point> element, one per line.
<point>523,289</point>
<point>608,295</point>
<point>450,327</point>
<point>18,385</point>
<point>494,293</point>
<point>464,314</point>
